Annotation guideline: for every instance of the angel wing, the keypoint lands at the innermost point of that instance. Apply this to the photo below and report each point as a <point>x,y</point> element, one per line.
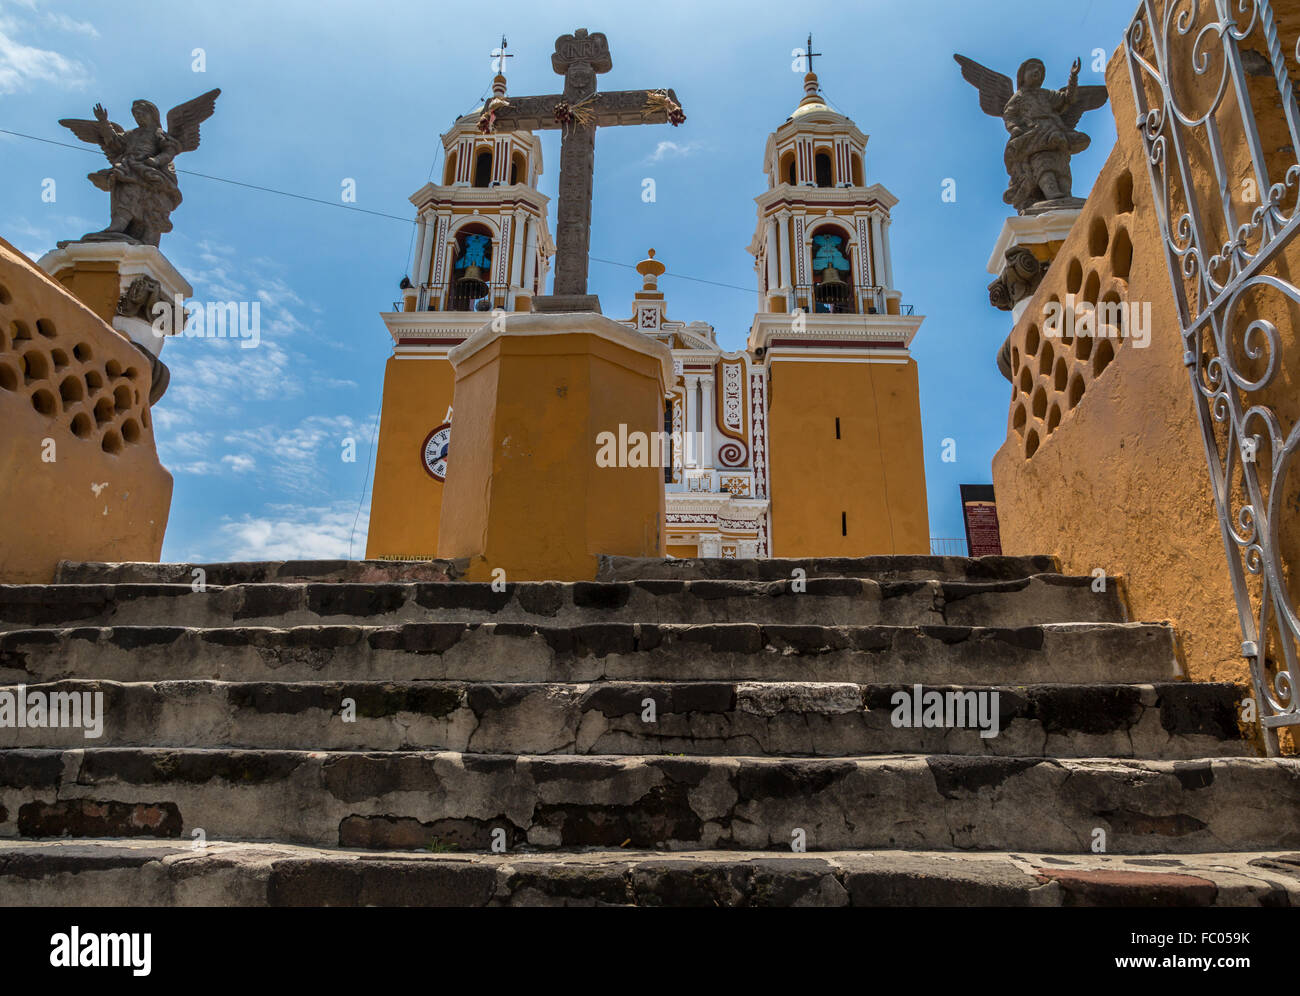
<point>183,120</point>
<point>91,131</point>
<point>995,89</point>
<point>1086,98</point>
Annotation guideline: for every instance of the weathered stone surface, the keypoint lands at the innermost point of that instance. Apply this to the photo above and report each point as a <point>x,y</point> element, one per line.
<point>609,717</point>
<point>890,568</point>
<point>508,652</point>
<point>136,873</point>
<point>894,801</point>
<point>258,572</point>
<point>827,601</point>
<point>387,728</point>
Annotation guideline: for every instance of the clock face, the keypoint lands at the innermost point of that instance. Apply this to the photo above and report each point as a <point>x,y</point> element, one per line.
<point>434,451</point>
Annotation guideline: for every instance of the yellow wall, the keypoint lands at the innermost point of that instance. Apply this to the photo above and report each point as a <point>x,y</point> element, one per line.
<point>79,474</point>
<point>96,285</point>
<point>1121,482</point>
<point>406,501</point>
<point>874,472</point>
<point>525,493</point>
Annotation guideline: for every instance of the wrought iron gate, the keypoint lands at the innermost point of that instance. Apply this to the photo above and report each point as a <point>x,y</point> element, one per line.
<point>1192,83</point>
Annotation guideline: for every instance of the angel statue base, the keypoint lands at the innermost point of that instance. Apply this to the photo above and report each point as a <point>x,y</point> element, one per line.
<point>1041,124</point>
<point>141,177</point>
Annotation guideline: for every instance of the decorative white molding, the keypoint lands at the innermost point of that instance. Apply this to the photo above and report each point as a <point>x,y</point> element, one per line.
<point>871,328</point>
<point>1031,229</point>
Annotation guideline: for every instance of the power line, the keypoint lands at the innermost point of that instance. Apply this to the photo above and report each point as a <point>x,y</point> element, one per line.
<point>358,210</point>
<point>235,183</point>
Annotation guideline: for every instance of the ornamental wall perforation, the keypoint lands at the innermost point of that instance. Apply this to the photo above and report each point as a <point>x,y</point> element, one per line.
<point>94,399</point>
<point>1051,374</point>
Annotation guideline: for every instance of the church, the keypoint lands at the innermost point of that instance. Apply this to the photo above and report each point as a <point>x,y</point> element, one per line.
<point>806,442</point>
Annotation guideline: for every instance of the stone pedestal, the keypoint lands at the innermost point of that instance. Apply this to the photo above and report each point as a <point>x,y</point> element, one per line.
<point>525,491</point>
<point>551,304</point>
<point>1039,234</point>
<point>120,282</point>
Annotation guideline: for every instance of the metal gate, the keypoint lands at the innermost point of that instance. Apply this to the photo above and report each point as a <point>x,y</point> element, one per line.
<point>1192,80</point>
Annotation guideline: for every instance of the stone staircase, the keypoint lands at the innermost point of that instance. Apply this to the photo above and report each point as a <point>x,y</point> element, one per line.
<point>375,733</point>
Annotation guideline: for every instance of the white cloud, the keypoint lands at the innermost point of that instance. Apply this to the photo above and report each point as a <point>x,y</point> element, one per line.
<point>295,532</point>
<point>673,150</point>
<point>238,462</point>
<point>297,459</point>
<point>293,460</point>
<point>22,66</point>
<point>65,23</point>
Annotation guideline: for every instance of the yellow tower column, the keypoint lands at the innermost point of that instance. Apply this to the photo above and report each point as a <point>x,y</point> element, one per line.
<point>543,402</point>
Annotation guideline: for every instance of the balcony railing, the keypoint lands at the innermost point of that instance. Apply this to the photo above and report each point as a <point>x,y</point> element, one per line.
<point>437,297</point>
<point>853,300</point>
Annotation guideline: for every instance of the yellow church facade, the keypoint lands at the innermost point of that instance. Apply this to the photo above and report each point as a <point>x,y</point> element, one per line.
<point>806,442</point>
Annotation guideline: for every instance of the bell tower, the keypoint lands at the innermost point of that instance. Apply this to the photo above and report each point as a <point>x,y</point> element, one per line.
<point>847,470</point>
<point>482,247</point>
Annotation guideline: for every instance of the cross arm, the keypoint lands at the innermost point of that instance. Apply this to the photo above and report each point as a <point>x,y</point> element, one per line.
<point>628,107</point>
<point>528,113</point>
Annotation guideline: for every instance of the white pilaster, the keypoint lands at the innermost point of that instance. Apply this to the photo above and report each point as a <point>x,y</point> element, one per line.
<point>889,257</point>
<point>530,257</point>
<point>690,383</point>
<point>707,419</point>
<point>516,250</point>
<point>418,276</point>
<point>773,260</point>
<point>783,248</point>
<point>426,252</point>
<point>879,274</point>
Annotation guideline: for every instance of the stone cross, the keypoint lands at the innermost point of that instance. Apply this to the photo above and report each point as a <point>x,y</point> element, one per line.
<point>579,57</point>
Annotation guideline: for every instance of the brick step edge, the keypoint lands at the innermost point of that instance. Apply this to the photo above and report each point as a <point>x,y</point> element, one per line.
<point>103,872</point>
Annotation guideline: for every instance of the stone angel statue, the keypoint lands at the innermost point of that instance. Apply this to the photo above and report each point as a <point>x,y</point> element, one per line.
<point>1041,123</point>
<point>141,179</point>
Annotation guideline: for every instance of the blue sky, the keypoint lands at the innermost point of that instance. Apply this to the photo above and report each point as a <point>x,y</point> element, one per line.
<point>314,93</point>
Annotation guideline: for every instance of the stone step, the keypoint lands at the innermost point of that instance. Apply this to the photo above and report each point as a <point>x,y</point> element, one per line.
<point>275,571</point>
<point>411,800</point>
<point>882,568</point>
<point>887,568</point>
<point>514,652</point>
<point>1043,598</point>
<point>162,873</point>
<point>701,718</point>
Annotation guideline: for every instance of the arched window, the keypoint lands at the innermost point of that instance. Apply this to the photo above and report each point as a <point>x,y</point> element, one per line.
<point>449,174</point>
<point>785,172</point>
<point>832,272</point>
<point>471,270</point>
<point>857,170</point>
<point>483,168</point>
<point>518,168</point>
<point>822,168</point>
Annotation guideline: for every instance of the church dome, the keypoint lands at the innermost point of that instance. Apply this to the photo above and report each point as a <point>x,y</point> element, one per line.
<point>813,102</point>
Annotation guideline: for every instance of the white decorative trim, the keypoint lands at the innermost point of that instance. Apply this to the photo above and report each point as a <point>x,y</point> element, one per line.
<point>733,396</point>
<point>758,430</point>
<point>1031,229</point>
<point>878,328</point>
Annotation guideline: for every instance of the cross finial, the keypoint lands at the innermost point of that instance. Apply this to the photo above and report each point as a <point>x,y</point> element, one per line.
<point>500,55</point>
<point>811,53</point>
